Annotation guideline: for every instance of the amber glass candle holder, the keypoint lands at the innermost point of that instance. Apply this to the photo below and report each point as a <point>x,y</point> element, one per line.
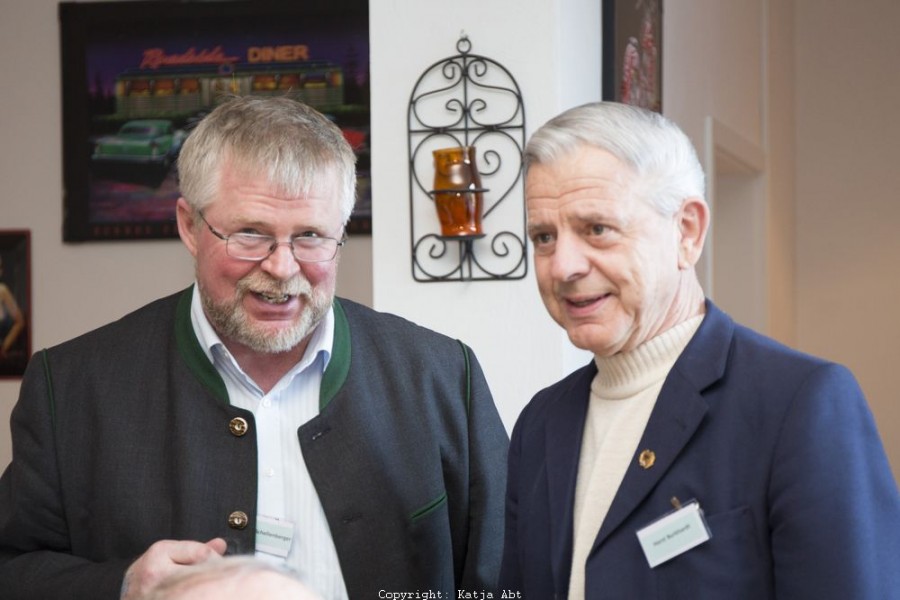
<point>458,195</point>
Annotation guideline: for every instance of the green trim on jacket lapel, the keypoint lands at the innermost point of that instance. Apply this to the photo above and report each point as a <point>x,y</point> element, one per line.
<point>465,351</point>
<point>339,364</point>
<point>191,351</point>
<point>46,363</point>
<point>193,354</point>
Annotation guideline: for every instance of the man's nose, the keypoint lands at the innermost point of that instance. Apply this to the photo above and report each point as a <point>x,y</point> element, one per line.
<point>569,260</point>
<point>281,263</point>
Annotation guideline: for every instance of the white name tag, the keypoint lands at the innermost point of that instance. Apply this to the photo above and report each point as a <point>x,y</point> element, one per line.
<point>674,534</point>
<point>274,536</point>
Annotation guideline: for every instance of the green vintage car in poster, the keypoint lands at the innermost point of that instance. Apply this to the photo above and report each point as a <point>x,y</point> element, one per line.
<point>145,141</point>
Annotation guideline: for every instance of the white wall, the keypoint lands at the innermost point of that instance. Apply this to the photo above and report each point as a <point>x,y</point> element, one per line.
<point>552,50</point>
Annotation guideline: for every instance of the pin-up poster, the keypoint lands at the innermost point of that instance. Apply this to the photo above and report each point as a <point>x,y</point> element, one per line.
<point>15,301</point>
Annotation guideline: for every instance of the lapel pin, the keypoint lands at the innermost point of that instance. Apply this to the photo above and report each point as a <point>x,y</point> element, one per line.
<point>647,458</point>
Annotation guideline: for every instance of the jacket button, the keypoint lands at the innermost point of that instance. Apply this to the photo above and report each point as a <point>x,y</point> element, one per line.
<point>238,426</point>
<point>238,520</point>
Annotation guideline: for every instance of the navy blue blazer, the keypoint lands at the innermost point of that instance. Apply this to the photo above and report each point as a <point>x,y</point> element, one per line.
<point>780,450</point>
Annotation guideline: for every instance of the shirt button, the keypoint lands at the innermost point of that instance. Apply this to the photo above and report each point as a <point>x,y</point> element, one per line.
<point>270,472</point>
<point>238,520</point>
<point>238,426</point>
<point>266,403</point>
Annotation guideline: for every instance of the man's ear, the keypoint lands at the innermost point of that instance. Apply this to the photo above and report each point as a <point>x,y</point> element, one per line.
<point>693,223</point>
<point>187,229</point>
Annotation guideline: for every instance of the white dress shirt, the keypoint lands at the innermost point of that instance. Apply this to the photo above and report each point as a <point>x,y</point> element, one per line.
<point>285,490</point>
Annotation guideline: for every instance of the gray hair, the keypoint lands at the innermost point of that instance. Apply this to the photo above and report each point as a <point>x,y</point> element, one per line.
<point>660,154</point>
<point>292,142</point>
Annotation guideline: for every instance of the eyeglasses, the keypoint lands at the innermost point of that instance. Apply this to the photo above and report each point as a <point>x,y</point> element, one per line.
<point>256,247</point>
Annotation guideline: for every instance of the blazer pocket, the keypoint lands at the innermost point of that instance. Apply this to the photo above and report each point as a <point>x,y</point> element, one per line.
<point>729,565</point>
<point>429,508</point>
<point>432,546</point>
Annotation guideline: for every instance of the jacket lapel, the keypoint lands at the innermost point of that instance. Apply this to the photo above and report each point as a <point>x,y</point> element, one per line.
<point>678,412</point>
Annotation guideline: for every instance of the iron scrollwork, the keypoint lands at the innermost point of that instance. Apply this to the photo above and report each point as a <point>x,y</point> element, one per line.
<point>468,100</point>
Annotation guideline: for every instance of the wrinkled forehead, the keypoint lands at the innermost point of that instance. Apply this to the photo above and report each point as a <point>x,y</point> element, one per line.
<point>581,173</point>
<point>289,178</point>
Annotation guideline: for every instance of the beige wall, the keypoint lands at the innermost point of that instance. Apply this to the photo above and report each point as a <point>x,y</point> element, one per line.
<point>848,205</point>
<point>735,62</point>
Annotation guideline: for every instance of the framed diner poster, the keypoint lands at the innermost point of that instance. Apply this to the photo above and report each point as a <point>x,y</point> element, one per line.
<point>137,76</point>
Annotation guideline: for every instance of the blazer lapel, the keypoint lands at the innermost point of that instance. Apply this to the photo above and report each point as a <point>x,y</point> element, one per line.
<point>678,412</point>
<point>564,430</point>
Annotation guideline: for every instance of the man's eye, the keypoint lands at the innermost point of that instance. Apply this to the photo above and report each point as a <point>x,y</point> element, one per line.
<point>598,229</point>
<point>308,234</point>
<point>251,238</point>
<point>542,239</point>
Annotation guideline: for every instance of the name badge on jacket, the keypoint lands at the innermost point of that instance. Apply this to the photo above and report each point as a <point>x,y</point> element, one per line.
<point>674,534</point>
<point>274,536</point>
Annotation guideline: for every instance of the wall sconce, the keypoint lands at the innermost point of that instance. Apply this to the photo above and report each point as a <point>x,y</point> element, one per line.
<point>466,126</point>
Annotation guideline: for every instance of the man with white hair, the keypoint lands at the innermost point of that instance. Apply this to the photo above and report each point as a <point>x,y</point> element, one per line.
<point>692,458</point>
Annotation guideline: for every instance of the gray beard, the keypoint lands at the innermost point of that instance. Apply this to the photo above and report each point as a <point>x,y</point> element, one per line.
<point>231,321</point>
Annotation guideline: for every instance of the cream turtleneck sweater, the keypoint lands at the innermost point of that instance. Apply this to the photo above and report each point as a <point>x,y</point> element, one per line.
<point>623,394</point>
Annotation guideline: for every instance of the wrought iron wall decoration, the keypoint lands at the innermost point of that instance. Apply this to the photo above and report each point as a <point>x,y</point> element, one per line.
<point>465,101</point>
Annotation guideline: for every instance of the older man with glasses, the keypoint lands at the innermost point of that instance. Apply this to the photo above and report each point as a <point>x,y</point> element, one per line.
<point>255,412</point>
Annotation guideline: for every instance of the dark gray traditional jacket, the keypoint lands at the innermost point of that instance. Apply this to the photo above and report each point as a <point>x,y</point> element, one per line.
<point>123,437</point>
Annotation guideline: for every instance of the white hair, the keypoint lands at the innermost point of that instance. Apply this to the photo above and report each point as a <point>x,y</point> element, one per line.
<point>659,153</point>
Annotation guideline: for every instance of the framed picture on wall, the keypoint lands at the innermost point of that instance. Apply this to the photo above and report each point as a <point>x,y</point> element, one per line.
<point>632,52</point>
<point>137,76</point>
<point>15,301</point>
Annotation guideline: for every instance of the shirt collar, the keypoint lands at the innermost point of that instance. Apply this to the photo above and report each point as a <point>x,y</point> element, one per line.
<point>322,339</point>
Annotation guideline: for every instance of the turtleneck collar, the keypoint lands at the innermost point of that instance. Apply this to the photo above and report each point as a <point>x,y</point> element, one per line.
<point>625,374</point>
